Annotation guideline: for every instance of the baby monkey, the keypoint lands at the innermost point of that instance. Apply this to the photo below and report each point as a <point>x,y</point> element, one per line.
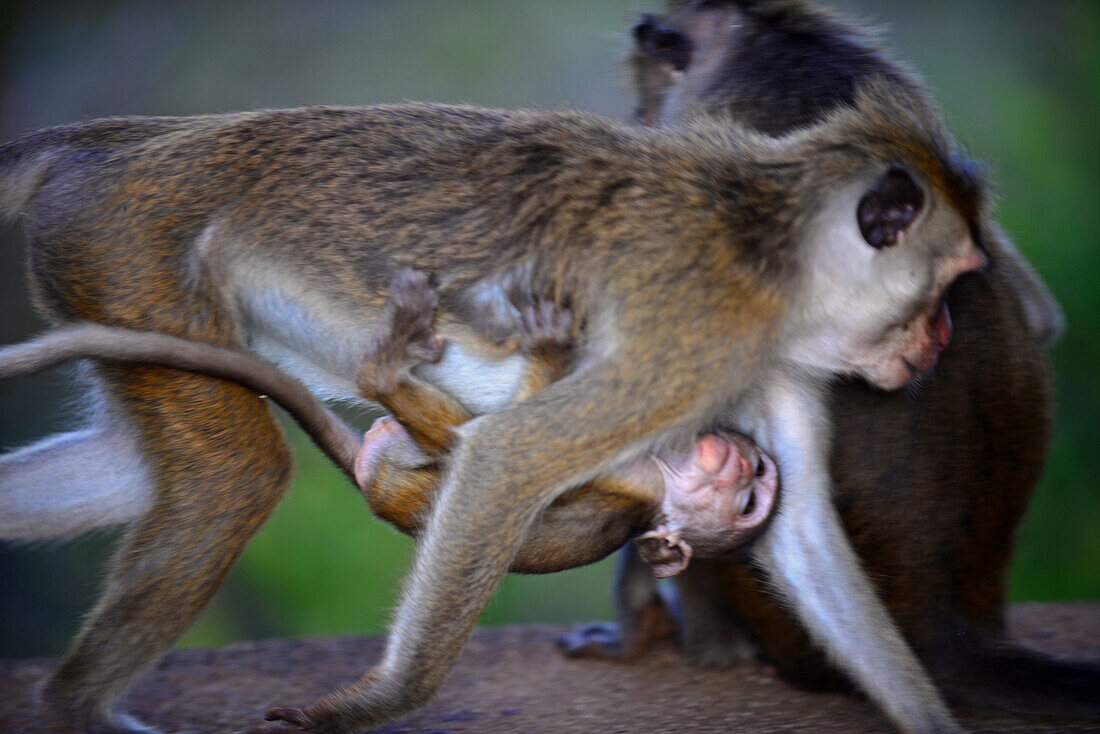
<point>708,500</point>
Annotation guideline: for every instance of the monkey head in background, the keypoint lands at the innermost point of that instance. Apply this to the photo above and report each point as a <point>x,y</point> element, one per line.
<point>931,487</point>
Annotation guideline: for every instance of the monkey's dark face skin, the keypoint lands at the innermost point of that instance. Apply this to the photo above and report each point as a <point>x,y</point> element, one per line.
<point>663,44</point>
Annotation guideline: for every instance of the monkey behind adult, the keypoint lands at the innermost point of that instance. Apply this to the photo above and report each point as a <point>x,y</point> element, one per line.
<point>686,256</point>
<point>932,489</point>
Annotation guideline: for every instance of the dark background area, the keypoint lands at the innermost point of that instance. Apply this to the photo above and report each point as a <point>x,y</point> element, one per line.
<point>1020,83</point>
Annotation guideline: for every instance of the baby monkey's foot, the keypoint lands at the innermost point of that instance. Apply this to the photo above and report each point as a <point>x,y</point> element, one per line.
<point>387,442</point>
<point>405,336</point>
<point>376,442</point>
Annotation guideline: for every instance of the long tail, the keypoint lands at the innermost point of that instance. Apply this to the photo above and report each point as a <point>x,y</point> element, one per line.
<point>130,346</point>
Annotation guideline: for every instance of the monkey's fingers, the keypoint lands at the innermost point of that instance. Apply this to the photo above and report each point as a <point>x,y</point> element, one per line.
<point>411,315</point>
<point>302,720</point>
<point>297,717</point>
<point>665,551</point>
<point>545,324</point>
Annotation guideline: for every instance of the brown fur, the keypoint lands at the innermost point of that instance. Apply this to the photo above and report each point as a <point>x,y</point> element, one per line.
<point>676,251</point>
<point>931,487</point>
<point>580,526</point>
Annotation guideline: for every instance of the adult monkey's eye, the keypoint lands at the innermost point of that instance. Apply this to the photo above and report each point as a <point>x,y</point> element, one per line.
<point>761,465</point>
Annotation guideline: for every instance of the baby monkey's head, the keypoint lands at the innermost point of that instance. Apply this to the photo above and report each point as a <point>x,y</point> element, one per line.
<point>717,497</point>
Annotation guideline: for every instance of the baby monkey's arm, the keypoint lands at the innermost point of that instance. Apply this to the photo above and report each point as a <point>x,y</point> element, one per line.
<point>709,501</point>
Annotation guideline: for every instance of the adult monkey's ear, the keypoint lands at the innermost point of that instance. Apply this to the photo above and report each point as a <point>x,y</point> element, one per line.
<point>664,44</point>
<point>665,551</point>
<point>889,207</point>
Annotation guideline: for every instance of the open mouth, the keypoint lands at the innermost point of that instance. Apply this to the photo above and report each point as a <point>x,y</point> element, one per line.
<point>941,326</point>
<point>939,330</point>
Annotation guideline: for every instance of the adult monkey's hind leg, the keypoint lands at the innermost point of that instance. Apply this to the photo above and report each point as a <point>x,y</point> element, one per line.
<point>221,463</point>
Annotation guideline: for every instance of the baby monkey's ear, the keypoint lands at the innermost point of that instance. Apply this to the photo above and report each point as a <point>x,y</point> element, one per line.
<point>664,44</point>
<point>664,550</point>
<point>889,207</point>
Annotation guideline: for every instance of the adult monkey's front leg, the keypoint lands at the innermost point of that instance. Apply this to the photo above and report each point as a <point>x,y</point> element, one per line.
<point>506,468</point>
<point>811,562</point>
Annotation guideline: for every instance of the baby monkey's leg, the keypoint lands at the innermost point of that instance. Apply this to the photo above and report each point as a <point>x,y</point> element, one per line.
<point>399,476</point>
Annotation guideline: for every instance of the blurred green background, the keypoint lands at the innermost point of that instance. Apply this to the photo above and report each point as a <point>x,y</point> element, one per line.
<point>1020,82</point>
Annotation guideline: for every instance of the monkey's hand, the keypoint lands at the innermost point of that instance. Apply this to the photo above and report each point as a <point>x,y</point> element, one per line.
<point>664,550</point>
<point>544,325</point>
<point>311,720</point>
<point>374,704</point>
<point>297,718</point>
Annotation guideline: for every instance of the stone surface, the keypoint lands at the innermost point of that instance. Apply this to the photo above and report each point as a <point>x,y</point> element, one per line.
<point>513,680</point>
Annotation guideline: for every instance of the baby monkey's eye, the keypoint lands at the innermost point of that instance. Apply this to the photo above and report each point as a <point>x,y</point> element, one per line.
<point>761,465</point>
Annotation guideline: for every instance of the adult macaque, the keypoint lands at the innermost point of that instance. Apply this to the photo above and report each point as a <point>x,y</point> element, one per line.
<point>930,489</point>
<point>710,273</point>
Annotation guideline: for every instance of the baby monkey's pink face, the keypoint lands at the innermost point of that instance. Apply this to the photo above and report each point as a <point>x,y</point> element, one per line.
<point>726,483</point>
<point>716,497</point>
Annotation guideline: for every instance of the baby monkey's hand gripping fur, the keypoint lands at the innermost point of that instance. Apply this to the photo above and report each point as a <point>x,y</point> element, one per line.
<point>712,273</point>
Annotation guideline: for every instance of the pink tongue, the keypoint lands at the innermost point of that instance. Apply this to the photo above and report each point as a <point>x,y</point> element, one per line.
<point>941,326</point>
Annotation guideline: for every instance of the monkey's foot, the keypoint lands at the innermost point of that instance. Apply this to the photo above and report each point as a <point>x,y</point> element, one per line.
<point>405,336</point>
<point>608,641</point>
<point>601,640</point>
<point>375,443</point>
